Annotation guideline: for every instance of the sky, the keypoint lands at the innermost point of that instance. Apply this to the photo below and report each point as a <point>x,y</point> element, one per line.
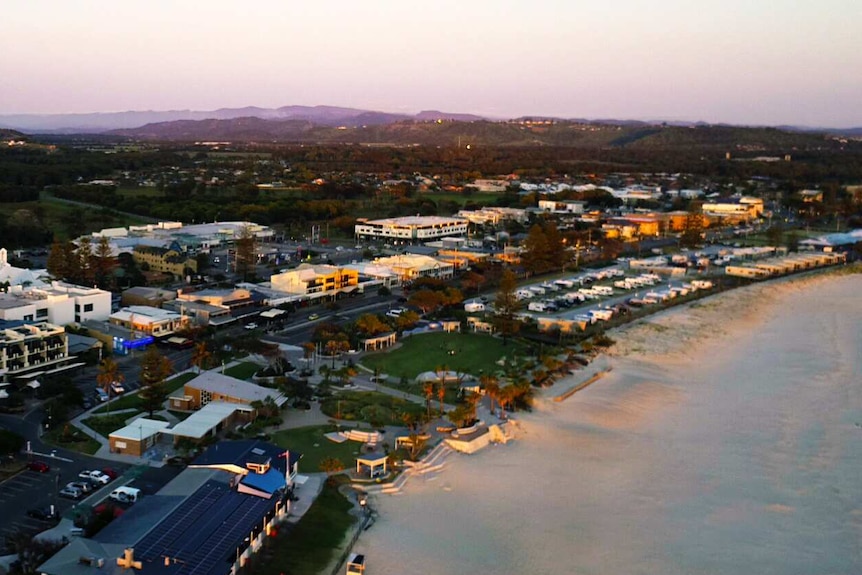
<point>764,62</point>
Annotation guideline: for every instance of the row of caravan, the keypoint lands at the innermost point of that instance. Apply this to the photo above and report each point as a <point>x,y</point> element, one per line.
<point>670,293</point>
<point>560,285</point>
<point>638,282</point>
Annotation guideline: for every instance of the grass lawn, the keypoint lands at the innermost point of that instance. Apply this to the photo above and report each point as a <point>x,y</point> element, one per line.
<point>105,424</point>
<point>309,547</point>
<point>133,400</point>
<point>473,353</point>
<point>243,370</point>
<point>378,409</point>
<point>314,447</point>
<point>72,438</point>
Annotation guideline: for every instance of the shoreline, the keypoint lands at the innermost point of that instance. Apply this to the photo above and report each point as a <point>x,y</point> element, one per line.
<point>704,328</point>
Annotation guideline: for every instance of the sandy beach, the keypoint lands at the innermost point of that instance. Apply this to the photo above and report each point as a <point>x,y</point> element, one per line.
<point>727,439</point>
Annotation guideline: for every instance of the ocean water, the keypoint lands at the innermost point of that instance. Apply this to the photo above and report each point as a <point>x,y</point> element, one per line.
<point>742,456</point>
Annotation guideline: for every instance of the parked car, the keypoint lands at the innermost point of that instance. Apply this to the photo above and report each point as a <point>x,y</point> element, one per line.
<point>71,493</point>
<point>39,466</point>
<point>84,486</point>
<point>111,472</point>
<point>101,395</point>
<point>117,388</point>
<point>43,514</point>
<point>96,476</point>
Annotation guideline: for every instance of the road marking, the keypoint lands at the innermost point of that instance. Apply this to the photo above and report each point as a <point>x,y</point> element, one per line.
<point>57,457</point>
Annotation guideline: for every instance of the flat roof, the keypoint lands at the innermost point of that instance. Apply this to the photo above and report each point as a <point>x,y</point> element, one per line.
<point>414,221</point>
<point>140,429</point>
<point>201,422</point>
<point>144,314</point>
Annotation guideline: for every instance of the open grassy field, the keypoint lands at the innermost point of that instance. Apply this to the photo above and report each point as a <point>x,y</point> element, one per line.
<point>314,447</point>
<point>243,370</point>
<point>481,198</point>
<point>140,192</point>
<point>465,352</point>
<point>67,220</point>
<point>73,439</point>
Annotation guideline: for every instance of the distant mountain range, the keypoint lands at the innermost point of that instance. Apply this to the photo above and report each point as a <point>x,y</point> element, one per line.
<point>332,124</point>
<point>319,115</point>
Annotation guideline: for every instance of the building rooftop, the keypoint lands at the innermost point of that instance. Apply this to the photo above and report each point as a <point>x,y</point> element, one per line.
<point>215,382</point>
<point>415,221</point>
<point>140,429</point>
<point>142,314</point>
<point>201,422</point>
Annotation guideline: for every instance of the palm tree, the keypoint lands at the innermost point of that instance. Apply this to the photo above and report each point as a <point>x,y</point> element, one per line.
<point>491,385</point>
<point>441,394</point>
<point>201,356</point>
<point>428,387</point>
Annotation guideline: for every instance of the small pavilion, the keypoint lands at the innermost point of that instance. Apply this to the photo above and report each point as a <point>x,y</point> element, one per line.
<point>374,462</point>
<point>378,342</point>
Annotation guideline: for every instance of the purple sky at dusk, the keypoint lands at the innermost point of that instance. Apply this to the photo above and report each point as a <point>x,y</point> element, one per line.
<point>738,61</point>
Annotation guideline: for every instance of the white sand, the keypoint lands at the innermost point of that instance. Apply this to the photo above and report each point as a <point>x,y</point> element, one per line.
<point>739,453</point>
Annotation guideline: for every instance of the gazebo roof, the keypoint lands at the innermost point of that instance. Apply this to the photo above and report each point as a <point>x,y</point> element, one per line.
<point>372,458</point>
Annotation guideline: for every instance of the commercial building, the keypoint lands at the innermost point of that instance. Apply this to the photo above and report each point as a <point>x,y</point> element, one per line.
<point>58,303</point>
<point>209,520</point>
<point>493,215</point>
<point>316,281</point>
<point>410,267</point>
<point>411,229</point>
<point>147,320</point>
<point>734,210</point>
<point>165,260</point>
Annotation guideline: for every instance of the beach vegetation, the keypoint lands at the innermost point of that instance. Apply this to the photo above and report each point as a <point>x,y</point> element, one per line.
<point>311,545</point>
<point>377,409</point>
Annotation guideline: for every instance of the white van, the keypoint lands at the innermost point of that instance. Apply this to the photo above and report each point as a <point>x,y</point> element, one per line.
<point>125,494</point>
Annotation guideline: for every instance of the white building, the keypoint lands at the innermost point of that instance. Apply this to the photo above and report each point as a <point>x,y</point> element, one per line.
<point>744,207</point>
<point>493,215</point>
<point>13,276</point>
<point>410,267</point>
<point>411,229</point>
<point>58,303</point>
<point>149,320</point>
<point>562,206</point>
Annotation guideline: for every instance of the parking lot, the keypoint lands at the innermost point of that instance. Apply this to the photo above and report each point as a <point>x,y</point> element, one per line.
<point>28,490</point>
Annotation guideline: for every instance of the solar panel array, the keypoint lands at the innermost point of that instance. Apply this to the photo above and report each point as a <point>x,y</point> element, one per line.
<point>202,535</point>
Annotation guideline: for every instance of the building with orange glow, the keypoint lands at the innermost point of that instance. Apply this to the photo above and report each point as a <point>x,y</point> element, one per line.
<point>147,320</point>
<point>316,281</point>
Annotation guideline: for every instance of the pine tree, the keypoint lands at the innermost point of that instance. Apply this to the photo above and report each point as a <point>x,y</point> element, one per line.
<point>155,368</point>
<point>103,263</point>
<point>507,305</point>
